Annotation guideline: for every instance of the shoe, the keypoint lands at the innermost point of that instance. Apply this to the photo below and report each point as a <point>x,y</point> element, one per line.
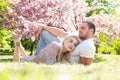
<point>17,38</point>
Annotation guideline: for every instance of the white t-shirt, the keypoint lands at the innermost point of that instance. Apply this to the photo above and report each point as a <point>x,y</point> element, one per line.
<point>86,49</point>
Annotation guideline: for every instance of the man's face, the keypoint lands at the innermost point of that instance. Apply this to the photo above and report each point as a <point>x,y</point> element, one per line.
<point>83,31</point>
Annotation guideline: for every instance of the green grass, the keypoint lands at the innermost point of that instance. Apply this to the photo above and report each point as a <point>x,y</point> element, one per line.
<point>105,67</point>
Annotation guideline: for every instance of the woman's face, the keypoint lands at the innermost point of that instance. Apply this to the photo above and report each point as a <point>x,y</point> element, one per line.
<point>70,43</point>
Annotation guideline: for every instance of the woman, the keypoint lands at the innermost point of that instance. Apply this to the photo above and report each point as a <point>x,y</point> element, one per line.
<point>54,52</point>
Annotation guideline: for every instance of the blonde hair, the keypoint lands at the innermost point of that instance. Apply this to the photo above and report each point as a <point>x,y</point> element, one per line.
<point>66,55</point>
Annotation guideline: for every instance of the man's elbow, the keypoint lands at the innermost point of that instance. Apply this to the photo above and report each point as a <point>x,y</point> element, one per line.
<point>87,62</point>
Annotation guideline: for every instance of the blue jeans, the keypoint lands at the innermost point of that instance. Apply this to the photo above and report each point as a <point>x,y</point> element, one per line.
<point>45,39</point>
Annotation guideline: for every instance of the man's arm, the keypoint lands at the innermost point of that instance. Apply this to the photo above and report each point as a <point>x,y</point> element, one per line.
<point>86,61</point>
<point>55,31</point>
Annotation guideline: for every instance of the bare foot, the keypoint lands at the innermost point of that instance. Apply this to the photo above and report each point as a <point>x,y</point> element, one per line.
<point>17,38</point>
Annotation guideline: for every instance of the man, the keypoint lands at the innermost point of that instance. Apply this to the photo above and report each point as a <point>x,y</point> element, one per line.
<point>84,52</point>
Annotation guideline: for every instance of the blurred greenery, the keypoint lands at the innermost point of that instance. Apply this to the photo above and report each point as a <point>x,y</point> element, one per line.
<point>30,45</point>
<point>6,51</point>
<point>5,39</point>
<point>104,6</point>
<point>3,5</point>
<point>108,44</point>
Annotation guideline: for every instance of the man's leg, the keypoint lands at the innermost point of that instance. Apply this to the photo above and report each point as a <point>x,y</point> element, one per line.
<point>45,39</point>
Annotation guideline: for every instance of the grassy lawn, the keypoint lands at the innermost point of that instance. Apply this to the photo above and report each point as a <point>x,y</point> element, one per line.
<point>105,67</point>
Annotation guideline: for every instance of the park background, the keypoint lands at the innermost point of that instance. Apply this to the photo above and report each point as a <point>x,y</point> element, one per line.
<point>23,16</point>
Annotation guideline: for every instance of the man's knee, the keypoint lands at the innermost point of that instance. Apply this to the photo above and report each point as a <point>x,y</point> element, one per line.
<point>44,33</point>
<point>48,37</point>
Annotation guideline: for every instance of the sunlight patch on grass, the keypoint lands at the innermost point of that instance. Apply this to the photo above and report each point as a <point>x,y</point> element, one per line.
<point>105,69</point>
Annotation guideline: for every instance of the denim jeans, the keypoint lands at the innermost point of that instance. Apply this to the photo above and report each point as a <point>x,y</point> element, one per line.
<point>45,39</point>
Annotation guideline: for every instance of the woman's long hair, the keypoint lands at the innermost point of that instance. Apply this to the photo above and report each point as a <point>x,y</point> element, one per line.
<point>66,55</point>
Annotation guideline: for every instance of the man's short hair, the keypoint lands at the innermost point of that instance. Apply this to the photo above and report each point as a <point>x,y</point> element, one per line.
<point>91,25</point>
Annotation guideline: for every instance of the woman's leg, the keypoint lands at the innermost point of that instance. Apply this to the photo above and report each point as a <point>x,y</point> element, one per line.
<point>17,52</point>
<point>19,49</point>
<point>22,51</point>
<point>16,56</point>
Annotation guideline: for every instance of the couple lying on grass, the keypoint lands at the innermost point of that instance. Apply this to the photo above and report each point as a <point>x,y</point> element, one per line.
<point>51,49</point>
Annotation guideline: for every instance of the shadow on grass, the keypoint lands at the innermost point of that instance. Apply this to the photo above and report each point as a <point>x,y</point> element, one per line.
<point>6,60</point>
<point>98,59</point>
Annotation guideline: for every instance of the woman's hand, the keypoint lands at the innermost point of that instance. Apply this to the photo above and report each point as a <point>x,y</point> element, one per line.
<point>38,31</point>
